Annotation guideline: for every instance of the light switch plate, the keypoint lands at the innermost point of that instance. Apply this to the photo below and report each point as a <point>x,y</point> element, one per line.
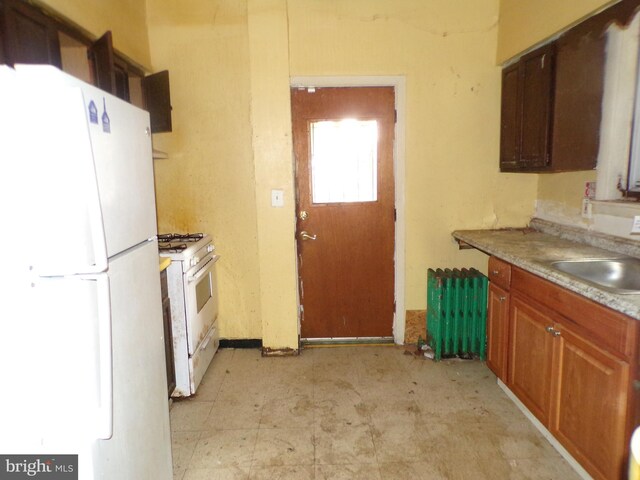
<point>277,198</point>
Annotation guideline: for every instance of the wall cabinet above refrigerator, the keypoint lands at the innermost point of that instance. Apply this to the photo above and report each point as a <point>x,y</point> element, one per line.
<point>31,35</point>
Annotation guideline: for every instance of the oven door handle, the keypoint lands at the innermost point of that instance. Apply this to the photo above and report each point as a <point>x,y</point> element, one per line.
<point>206,341</point>
<point>202,271</point>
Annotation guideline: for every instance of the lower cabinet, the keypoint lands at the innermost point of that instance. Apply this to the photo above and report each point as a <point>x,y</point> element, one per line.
<point>530,357</point>
<point>590,412</point>
<point>571,362</point>
<point>497,331</point>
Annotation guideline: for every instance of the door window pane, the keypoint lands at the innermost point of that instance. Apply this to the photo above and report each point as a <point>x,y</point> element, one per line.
<point>344,161</point>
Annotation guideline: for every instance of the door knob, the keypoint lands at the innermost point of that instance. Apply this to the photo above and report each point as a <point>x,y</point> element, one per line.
<point>305,236</point>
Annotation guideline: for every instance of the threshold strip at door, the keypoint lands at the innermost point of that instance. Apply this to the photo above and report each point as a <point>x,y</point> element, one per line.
<point>347,341</point>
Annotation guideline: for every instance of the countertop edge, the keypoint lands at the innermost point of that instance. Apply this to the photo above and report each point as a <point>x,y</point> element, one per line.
<point>164,263</point>
<point>627,304</point>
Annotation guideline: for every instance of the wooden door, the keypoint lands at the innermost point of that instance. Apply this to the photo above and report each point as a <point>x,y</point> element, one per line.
<point>498,331</point>
<point>590,416</point>
<point>531,357</point>
<point>346,261</point>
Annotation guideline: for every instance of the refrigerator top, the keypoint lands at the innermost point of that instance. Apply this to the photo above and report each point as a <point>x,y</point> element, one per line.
<point>119,154</point>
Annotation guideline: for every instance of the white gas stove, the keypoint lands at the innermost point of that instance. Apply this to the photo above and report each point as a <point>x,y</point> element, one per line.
<point>193,292</point>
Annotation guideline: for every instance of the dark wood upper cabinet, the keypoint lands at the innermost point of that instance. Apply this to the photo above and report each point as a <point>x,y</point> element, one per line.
<point>28,36</point>
<point>536,74</point>
<point>115,76</point>
<point>510,119</point>
<point>158,100</point>
<point>526,111</point>
<point>101,53</point>
<point>579,87</point>
<point>551,120</point>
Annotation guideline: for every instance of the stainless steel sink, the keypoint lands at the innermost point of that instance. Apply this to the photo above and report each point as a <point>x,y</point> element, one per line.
<point>617,275</point>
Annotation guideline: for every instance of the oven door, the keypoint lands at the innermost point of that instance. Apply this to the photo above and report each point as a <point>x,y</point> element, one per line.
<point>201,296</point>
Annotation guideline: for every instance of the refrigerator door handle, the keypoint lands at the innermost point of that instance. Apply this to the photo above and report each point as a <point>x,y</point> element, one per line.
<point>105,417</point>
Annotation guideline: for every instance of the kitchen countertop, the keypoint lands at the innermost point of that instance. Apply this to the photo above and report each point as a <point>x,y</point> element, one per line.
<point>532,248</point>
<point>164,263</point>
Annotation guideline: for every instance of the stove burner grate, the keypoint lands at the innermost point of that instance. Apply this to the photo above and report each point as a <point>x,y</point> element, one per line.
<point>172,247</point>
<point>182,237</point>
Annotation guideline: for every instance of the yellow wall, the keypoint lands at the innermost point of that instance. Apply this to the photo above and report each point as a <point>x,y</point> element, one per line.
<point>208,182</point>
<point>272,147</point>
<point>446,50</point>
<point>525,23</point>
<point>125,18</point>
<point>231,59</point>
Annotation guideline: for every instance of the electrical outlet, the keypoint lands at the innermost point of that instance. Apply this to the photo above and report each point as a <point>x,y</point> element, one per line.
<point>586,208</point>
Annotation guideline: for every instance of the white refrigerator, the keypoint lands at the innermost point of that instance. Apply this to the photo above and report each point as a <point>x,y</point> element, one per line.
<point>81,335</point>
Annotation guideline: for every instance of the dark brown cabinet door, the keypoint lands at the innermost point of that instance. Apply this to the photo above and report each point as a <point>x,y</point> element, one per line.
<point>510,119</point>
<point>101,53</point>
<point>527,94</point>
<point>158,100</point>
<point>28,35</point>
<point>579,87</point>
<point>498,331</point>
<point>536,70</point>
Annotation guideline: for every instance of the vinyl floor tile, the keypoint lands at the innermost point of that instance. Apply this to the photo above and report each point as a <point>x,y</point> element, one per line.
<point>355,413</point>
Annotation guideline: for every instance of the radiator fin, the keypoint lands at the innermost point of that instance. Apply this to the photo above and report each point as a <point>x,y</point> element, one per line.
<point>456,312</point>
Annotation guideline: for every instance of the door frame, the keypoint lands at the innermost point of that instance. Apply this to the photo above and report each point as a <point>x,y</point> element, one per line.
<point>399,84</point>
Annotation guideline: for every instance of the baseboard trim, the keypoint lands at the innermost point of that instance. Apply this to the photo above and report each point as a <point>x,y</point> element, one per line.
<point>240,343</point>
<point>280,352</point>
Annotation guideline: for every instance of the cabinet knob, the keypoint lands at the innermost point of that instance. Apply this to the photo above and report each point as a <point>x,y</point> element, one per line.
<point>495,272</point>
<point>502,299</point>
<point>553,331</point>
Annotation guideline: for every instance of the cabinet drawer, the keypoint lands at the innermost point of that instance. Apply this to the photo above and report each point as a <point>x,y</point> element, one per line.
<point>500,272</point>
<point>612,330</point>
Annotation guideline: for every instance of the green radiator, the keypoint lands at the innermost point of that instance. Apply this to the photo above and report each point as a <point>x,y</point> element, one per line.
<point>457,312</point>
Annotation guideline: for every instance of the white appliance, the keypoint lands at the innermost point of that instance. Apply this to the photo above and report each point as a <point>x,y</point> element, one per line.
<point>81,333</point>
<point>193,292</point>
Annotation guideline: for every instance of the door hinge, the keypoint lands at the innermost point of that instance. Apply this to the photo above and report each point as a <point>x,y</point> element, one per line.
<point>395,116</point>
<point>395,215</point>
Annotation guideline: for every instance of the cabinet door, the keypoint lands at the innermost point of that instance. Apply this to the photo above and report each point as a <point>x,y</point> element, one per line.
<point>510,120</point>
<point>29,36</point>
<point>579,87</point>
<point>158,100</point>
<point>103,63</point>
<point>536,75</point>
<point>498,331</point>
<point>531,356</point>
<point>590,417</point>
